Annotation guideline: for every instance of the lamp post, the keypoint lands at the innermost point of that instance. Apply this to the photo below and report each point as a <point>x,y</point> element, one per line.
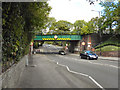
<point>100,29</point>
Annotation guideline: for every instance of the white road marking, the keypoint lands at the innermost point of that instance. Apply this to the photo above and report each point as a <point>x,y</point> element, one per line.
<point>81,74</point>
<point>91,78</point>
<point>90,62</point>
<point>96,83</point>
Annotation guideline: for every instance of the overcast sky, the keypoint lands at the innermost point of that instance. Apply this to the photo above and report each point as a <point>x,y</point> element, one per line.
<point>72,10</point>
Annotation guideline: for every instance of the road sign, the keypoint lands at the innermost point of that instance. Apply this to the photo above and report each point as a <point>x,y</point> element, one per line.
<point>89,42</point>
<point>55,36</point>
<point>31,44</point>
<point>83,43</point>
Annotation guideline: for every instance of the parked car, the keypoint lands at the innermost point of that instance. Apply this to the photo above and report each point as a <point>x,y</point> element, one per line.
<point>88,55</point>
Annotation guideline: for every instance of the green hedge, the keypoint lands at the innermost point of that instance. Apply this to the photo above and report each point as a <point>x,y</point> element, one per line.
<point>18,22</point>
<point>114,41</point>
<point>109,48</point>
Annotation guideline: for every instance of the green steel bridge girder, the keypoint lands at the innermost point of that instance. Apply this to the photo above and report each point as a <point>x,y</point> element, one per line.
<point>59,37</point>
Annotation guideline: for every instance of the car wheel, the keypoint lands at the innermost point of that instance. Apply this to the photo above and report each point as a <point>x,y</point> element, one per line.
<point>81,57</point>
<point>88,58</point>
<point>63,53</point>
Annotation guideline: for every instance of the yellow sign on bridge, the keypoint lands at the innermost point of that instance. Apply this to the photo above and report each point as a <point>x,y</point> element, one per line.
<point>56,39</point>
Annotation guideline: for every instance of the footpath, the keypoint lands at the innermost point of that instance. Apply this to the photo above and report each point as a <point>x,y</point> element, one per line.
<point>109,58</point>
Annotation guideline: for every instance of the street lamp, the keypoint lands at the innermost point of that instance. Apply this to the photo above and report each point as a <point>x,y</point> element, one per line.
<point>97,11</point>
<point>92,1</point>
<point>100,29</point>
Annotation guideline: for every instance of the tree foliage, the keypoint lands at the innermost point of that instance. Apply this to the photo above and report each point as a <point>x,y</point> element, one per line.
<point>111,15</point>
<point>78,25</point>
<point>108,23</point>
<point>60,27</point>
<point>51,25</point>
<point>83,27</point>
<point>20,20</point>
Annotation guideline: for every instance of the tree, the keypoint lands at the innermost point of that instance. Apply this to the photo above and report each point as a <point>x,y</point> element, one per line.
<point>78,25</point>
<point>84,30</point>
<point>63,27</point>
<point>110,15</point>
<point>91,27</point>
<point>51,25</point>
<point>99,25</point>
<point>20,21</point>
<point>82,27</point>
<point>116,18</point>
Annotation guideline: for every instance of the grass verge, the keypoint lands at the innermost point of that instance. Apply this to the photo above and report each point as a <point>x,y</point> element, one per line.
<point>109,48</point>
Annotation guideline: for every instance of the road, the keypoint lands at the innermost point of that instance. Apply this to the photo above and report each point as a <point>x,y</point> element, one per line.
<point>51,70</point>
<point>105,72</point>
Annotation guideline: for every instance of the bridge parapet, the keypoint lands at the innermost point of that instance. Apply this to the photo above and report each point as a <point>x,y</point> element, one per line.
<point>57,37</point>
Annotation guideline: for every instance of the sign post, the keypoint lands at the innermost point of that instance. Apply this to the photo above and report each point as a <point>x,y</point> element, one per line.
<point>31,47</point>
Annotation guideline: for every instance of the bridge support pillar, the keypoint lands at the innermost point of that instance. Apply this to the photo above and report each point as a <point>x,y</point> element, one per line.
<point>74,45</point>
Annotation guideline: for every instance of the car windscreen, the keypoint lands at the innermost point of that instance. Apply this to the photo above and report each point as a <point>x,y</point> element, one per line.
<point>89,52</point>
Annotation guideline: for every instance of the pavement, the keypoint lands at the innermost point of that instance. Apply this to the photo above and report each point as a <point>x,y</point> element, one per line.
<point>109,58</point>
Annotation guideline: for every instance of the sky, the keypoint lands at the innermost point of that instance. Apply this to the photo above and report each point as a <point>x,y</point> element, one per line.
<point>72,10</point>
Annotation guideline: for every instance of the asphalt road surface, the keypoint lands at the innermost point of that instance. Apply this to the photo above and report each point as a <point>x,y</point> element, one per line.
<point>50,70</point>
<point>105,72</point>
